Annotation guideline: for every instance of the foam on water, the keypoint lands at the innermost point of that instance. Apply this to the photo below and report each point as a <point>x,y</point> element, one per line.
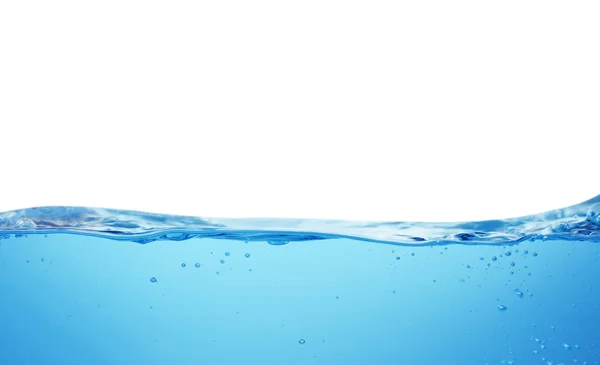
<point>579,222</point>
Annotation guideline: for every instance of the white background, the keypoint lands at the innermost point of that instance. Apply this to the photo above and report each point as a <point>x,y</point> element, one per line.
<point>413,110</point>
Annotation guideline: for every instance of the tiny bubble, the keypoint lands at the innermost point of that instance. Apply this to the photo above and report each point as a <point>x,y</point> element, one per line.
<point>153,280</point>
<point>397,257</point>
<point>197,264</point>
<point>247,255</point>
<point>512,264</point>
<point>393,292</point>
<point>566,346</point>
<point>481,258</point>
<point>302,342</point>
<point>412,253</point>
<point>27,261</point>
<point>526,252</point>
<point>508,253</point>
<point>494,258</point>
<point>534,254</point>
<point>183,265</point>
<point>42,259</point>
<point>502,308</point>
<point>227,254</point>
<point>468,266</point>
<point>222,261</point>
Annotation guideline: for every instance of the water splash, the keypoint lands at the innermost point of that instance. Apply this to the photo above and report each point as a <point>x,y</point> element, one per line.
<point>580,222</point>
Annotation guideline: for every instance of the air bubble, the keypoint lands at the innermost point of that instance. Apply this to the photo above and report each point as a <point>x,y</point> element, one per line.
<point>502,308</point>
<point>468,266</point>
<point>153,280</point>
<point>302,342</point>
<point>227,254</point>
<point>412,253</point>
<point>519,293</point>
<point>494,258</point>
<point>566,346</point>
<point>534,254</point>
<point>508,253</point>
<point>512,264</point>
<point>247,255</point>
<point>197,264</point>
<point>277,243</point>
<point>397,257</point>
<point>183,265</point>
<point>222,261</point>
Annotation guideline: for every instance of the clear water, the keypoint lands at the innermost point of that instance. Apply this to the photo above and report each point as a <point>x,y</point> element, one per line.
<point>94,286</point>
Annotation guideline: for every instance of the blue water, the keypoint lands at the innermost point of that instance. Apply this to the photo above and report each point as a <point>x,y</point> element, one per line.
<point>97,286</point>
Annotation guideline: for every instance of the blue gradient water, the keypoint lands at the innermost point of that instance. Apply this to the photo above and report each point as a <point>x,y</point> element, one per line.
<point>78,287</point>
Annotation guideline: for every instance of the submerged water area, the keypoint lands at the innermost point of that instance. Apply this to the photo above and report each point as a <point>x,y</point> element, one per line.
<point>69,299</point>
<point>81,286</point>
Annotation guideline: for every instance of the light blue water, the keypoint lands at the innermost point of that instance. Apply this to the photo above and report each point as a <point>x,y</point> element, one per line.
<point>77,287</point>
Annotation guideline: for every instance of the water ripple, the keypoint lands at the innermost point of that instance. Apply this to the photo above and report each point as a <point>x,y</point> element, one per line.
<point>580,222</point>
